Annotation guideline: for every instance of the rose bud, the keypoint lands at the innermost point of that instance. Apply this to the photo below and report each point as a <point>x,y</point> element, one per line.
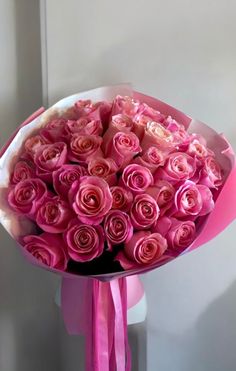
<point>54,131</point>
<point>178,167</point>
<point>84,126</point>
<point>33,144</point>
<point>155,134</point>
<point>136,178</point>
<point>152,159</point>
<point>83,147</point>
<point>22,170</point>
<point>117,227</point>
<point>118,123</point>
<point>143,249</point>
<point>144,211</point>
<point>54,215</point>
<point>211,174</point>
<point>163,193</point>
<point>122,148</point>
<point>48,249</point>
<point>84,242</point>
<point>64,177</point>
<point>105,168</point>
<point>49,158</point>
<point>122,198</point>
<point>27,196</point>
<point>91,199</point>
<point>125,105</point>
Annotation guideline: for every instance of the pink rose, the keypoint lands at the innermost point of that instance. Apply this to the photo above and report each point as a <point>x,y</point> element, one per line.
<point>22,170</point>
<point>144,211</point>
<point>54,131</point>
<point>136,178</point>
<point>140,124</point>
<point>122,198</point>
<point>54,215</point>
<point>122,148</point>
<point>125,105</point>
<point>96,111</point>
<point>117,227</point>
<point>163,193</point>
<point>64,177</point>
<point>152,159</point>
<point>178,167</point>
<point>156,134</point>
<point>211,174</point>
<point>49,158</point>
<point>150,112</point>
<point>84,242</point>
<point>193,200</point>
<point>84,126</point>
<point>118,123</point>
<point>105,168</point>
<point>83,147</point>
<point>144,248</point>
<point>91,199</point>
<point>197,149</point>
<point>27,196</point>
<point>179,132</point>
<point>33,144</point>
<point>48,249</point>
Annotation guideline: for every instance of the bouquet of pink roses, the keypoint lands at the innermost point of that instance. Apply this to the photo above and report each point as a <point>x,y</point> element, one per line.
<point>110,183</point>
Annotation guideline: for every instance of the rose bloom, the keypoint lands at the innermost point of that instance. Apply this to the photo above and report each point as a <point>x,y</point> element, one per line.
<point>54,215</point>
<point>150,112</point>
<point>193,200</point>
<point>122,147</point>
<point>140,124</point>
<point>144,211</point>
<point>32,144</point>
<point>163,193</point>
<point>84,126</point>
<point>83,147</point>
<point>27,196</point>
<point>105,168</point>
<point>143,249</point>
<point>118,123</point>
<point>22,170</point>
<point>178,130</point>
<point>178,167</point>
<point>64,177</point>
<point>156,134</point>
<point>54,131</point>
<point>196,148</point>
<point>49,158</point>
<point>136,178</point>
<point>48,249</point>
<point>122,198</point>
<point>117,227</point>
<point>152,159</point>
<point>211,174</point>
<point>95,111</point>
<point>125,105</point>
<point>84,242</point>
<point>91,199</point>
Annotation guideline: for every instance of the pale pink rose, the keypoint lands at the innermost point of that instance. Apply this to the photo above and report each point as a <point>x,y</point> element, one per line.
<point>48,158</point>
<point>84,242</point>
<point>143,249</point>
<point>117,227</point>
<point>48,249</point>
<point>144,211</point>
<point>211,174</point>
<point>64,177</point>
<point>105,168</point>
<point>83,147</point>
<point>122,198</point>
<point>22,170</point>
<point>91,199</point>
<point>152,159</point>
<point>84,126</point>
<point>163,193</point>
<point>54,215</point>
<point>122,148</point>
<point>27,196</point>
<point>136,178</point>
<point>156,134</point>
<point>193,200</point>
<point>55,130</point>
<point>32,144</point>
<point>118,123</point>
<point>178,167</point>
<point>125,105</point>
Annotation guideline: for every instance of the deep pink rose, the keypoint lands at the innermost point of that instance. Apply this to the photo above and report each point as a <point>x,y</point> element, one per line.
<point>155,134</point>
<point>144,211</point>
<point>27,196</point>
<point>163,192</point>
<point>122,198</point>
<point>211,174</point>
<point>125,105</point>
<point>48,158</point>
<point>64,177</point>
<point>144,248</point>
<point>54,215</point>
<point>22,170</point>
<point>84,242</point>
<point>55,130</point>
<point>48,249</point>
<point>91,199</point>
<point>193,200</point>
<point>84,126</point>
<point>117,227</point>
<point>83,147</point>
<point>32,144</point>
<point>122,147</point>
<point>152,159</point>
<point>136,178</point>
<point>105,168</point>
<point>178,167</point>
